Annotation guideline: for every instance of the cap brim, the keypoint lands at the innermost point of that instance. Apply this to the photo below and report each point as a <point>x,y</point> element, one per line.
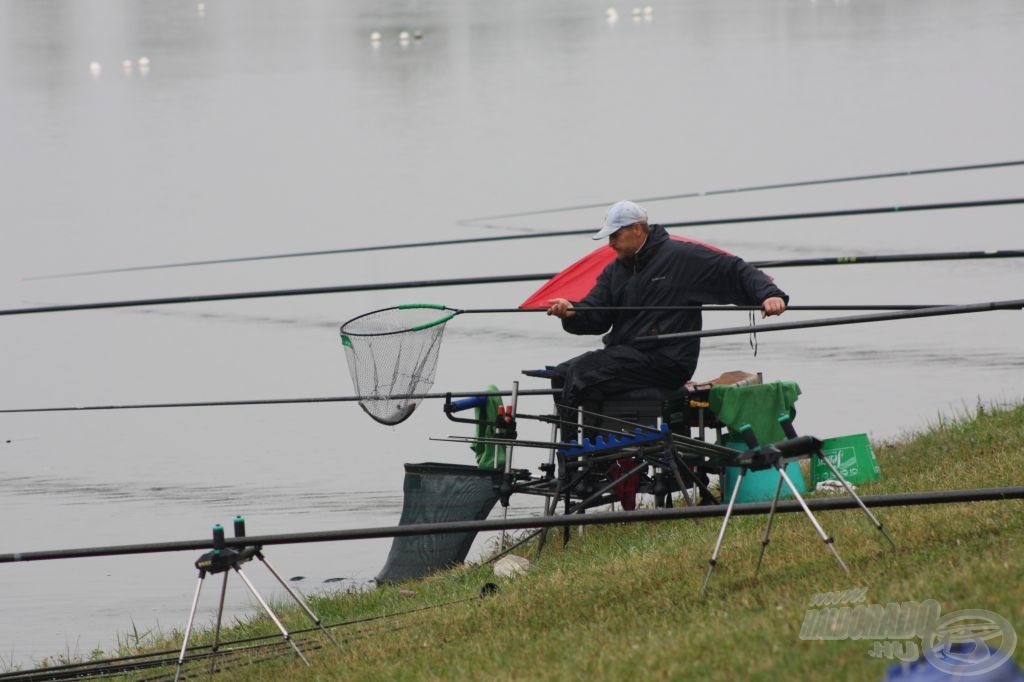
<point>605,231</point>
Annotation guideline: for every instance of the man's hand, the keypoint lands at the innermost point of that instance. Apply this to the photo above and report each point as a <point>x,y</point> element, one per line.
<point>770,306</point>
<point>561,307</point>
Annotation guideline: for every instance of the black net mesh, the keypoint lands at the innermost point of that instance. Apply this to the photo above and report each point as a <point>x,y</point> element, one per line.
<point>392,356</point>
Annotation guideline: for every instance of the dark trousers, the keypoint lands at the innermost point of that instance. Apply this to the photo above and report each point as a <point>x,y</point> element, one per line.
<point>593,376</point>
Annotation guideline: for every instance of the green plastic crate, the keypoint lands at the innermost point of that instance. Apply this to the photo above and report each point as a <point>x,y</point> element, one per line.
<point>851,455</point>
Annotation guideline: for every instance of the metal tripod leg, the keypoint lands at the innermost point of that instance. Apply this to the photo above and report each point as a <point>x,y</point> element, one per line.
<point>568,503</point>
<point>698,484</point>
<point>273,617</point>
<point>721,531</point>
<point>787,426</point>
<point>568,479</point>
<point>188,628</point>
<point>220,616</point>
<point>298,600</point>
<point>674,466</point>
<point>854,495</point>
<point>549,502</point>
<point>821,532</point>
<point>768,526</point>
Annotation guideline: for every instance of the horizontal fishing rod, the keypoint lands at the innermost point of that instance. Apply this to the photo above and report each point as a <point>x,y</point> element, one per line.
<point>847,212</point>
<point>932,311</point>
<point>636,516</point>
<point>891,258</point>
<point>470,222</point>
<point>709,308</point>
<point>346,288</point>
<point>1017,304</point>
<point>556,233</point>
<point>284,401</point>
<point>313,291</point>
<point>501,279</point>
<point>122,665</point>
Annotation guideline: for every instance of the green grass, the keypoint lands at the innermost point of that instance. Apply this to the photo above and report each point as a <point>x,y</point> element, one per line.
<point>624,601</point>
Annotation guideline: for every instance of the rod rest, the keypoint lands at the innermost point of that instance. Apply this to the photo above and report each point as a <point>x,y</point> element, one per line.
<point>217,560</point>
<point>614,441</point>
<point>766,457</point>
<point>504,424</point>
<point>247,553</point>
<point>222,558</point>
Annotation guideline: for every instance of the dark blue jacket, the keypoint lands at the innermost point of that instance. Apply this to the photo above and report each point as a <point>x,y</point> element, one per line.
<point>668,272</point>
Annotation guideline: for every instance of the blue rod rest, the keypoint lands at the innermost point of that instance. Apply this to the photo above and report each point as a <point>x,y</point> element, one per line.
<point>467,403</point>
<point>614,441</point>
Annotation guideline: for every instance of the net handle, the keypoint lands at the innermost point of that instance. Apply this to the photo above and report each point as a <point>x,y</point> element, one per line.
<point>451,312</point>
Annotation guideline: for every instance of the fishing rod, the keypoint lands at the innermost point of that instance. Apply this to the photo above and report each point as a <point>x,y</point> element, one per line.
<point>891,258</point>
<point>470,222</point>
<point>312,291</point>
<point>847,212</point>
<point>284,401</point>
<point>671,308</point>
<point>345,288</point>
<point>554,233</point>
<point>635,516</point>
<point>448,313</point>
<point>502,279</point>
<point>712,308</point>
<point>119,665</point>
<point>936,311</point>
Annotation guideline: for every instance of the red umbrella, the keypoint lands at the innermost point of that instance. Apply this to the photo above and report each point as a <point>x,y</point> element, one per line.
<point>578,279</point>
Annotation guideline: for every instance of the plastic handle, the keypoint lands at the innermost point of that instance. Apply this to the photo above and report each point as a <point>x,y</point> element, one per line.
<point>801,445</point>
<point>218,537</point>
<point>748,436</point>
<point>433,306</point>
<point>787,425</point>
<point>467,403</point>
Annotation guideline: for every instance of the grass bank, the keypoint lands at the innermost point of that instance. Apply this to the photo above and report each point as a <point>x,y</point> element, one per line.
<point>624,601</point>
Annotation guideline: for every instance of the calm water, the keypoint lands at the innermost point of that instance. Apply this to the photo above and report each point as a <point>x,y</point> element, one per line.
<point>261,127</point>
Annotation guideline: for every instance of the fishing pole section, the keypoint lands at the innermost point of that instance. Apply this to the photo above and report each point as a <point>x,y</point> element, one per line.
<point>865,259</point>
<point>476,222</point>
<point>539,234</point>
<point>442,314</point>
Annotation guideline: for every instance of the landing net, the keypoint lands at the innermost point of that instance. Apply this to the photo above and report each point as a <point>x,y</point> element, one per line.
<point>392,357</point>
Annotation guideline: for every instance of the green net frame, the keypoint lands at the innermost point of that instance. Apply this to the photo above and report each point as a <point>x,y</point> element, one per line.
<point>392,357</point>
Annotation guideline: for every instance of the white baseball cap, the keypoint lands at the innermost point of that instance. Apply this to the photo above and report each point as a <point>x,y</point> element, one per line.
<point>621,214</point>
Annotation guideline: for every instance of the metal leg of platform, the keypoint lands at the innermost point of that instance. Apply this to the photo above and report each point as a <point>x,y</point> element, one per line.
<point>721,531</point>
<point>768,527</point>
<point>790,431</point>
<point>551,502</point>
<point>280,626</point>
<point>220,616</point>
<point>854,495</point>
<point>188,628</point>
<point>298,600</point>
<point>810,515</point>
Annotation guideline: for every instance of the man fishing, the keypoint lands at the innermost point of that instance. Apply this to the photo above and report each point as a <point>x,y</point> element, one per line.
<point>649,270</point>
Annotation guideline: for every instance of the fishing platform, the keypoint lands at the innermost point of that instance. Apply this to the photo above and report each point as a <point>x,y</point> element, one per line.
<point>663,443</point>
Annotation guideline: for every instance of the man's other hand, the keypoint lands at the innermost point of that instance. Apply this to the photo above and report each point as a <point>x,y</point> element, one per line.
<point>770,306</point>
